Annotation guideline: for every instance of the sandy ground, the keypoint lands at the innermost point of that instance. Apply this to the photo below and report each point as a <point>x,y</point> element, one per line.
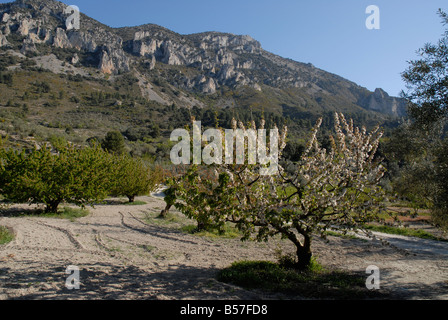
<point>121,256</point>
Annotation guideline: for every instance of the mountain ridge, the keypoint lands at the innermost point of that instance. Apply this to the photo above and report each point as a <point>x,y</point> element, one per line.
<point>200,69</point>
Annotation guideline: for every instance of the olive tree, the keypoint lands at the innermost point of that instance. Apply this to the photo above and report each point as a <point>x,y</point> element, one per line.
<point>426,82</point>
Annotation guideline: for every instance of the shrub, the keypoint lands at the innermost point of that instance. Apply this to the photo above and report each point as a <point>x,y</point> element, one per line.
<point>312,283</point>
<point>114,143</point>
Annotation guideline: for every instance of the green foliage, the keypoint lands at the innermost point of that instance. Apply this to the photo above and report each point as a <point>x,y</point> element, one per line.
<point>426,81</point>
<point>418,233</point>
<point>57,142</point>
<point>68,213</point>
<point>73,213</point>
<point>41,87</point>
<point>70,174</point>
<point>135,134</point>
<point>132,177</point>
<point>76,175</point>
<point>136,203</point>
<point>228,231</point>
<point>114,143</point>
<point>424,174</point>
<point>411,162</point>
<point>293,151</point>
<point>201,197</point>
<point>6,78</point>
<point>252,274</point>
<point>7,60</point>
<point>5,235</point>
<point>440,210</point>
<point>312,283</point>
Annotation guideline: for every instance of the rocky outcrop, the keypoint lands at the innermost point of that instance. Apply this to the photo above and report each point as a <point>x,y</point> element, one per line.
<point>42,25</point>
<point>380,101</point>
<point>60,39</point>
<point>216,41</point>
<point>113,60</point>
<point>216,55</point>
<point>83,41</point>
<point>75,59</point>
<point>166,51</point>
<point>145,48</point>
<point>3,41</point>
<point>25,25</point>
<point>205,84</point>
<point>28,46</point>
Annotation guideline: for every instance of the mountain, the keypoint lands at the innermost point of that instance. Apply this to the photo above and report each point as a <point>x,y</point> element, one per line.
<point>151,65</point>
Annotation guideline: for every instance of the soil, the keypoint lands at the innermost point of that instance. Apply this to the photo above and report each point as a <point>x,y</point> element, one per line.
<point>120,255</point>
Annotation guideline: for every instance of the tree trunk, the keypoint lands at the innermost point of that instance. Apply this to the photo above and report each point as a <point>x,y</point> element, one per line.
<point>304,254</point>
<point>201,226</point>
<point>52,206</point>
<point>131,199</point>
<point>164,212</point>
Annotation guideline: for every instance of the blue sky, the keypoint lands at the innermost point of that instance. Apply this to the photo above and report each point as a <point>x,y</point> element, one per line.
<point>329,34</point>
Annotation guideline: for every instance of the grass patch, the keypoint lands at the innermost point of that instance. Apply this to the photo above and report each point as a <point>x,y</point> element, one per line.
<point>172,219</point>
<point>5,235</point>
<point>418,233</point>
<point>341,235</point>
<point>316,282</point>
<point>180,222</point>
<point>67,213</point>
<point>229,232</point>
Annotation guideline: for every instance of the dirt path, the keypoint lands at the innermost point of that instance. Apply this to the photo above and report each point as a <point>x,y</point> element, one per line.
<point>120,256</point>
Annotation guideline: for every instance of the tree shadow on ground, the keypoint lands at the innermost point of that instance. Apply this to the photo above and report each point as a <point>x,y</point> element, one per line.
<point>109,282</point>
<point>15,212</point>
<point>102,281</point>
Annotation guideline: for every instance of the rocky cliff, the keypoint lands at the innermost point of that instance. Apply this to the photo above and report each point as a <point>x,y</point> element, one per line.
<point>380,101</point>
<point>205,62</point>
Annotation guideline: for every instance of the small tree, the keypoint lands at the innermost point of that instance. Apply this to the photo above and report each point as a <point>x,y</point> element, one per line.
<point>330,188</point>
<point>132,177</point>
<point>334,188</point>
<point>114,143</point>
<point>76,175</point>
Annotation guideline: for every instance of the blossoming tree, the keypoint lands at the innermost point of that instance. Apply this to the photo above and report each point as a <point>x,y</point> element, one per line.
<point>329,188</point>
